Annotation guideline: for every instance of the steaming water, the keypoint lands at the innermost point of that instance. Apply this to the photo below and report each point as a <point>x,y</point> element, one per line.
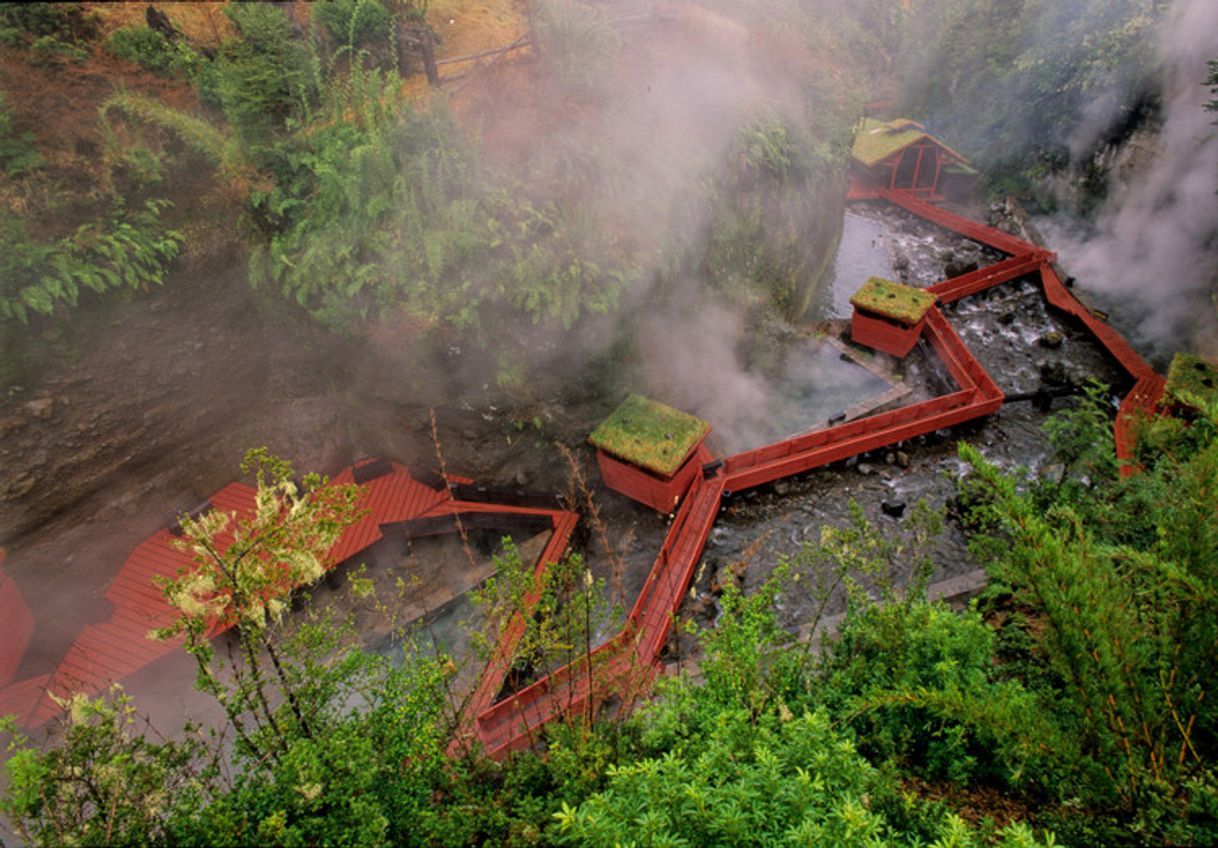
<point>862,253</point>
<point>815,385</point>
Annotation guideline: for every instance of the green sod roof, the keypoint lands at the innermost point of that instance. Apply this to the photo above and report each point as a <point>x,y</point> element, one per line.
<point>1192,376</point>
<point>876,140</point>
<point>893,300</point>
<point>649,434</point>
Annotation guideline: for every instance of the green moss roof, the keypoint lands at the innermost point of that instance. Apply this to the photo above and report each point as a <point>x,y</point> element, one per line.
<point>649,434</point>
<point>877,140</point>
<point>1191,375</point>
<point>893,300</point>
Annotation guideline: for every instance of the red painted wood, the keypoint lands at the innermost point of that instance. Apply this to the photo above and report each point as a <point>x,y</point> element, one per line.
<point>662,494</point>
<point>978,281</point>
<point>956,223</point>
<point>627,663</point>
<point>876,331</point>
<point>16,626</point>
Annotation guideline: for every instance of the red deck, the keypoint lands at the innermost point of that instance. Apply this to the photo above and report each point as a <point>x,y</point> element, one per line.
<point>108,652</point>
<point>16,626</point>
<point>626,664</point>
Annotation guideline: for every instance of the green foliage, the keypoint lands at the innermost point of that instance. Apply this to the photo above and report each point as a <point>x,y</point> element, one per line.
<point>356,23</point>
<point>263,80</point>
<point>730,762</point>
<point>246,585</point>
<point>578,46</point>
<point>197,134</point>
<point>1006,81</point>
<point>132,250</point>
<point>1119,578</point>
<point>917,683</point>
<point>765,195</point>
<point>18,155</point>
<point>562,607</point>
<point>57,26</point>
<point>104,783</point>
<point>150,49</point>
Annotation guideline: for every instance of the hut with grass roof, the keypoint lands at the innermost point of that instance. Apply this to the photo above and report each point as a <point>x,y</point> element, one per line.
<point>901,156</point>
<point>889,316</point>
<point>1191,383</point>
<point>650,452</point>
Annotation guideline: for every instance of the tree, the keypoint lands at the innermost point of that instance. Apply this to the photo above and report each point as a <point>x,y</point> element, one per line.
<point>105,783</point>
<point>241,574</point>
<point>1119,579</point>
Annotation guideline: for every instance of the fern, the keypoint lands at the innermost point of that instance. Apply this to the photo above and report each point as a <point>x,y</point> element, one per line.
<point>132,251</point>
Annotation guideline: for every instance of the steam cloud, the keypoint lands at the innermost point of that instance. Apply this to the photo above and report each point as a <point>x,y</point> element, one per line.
<point>1156,242</point>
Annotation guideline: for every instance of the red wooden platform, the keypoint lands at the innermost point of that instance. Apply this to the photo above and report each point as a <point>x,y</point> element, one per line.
<point>627,663</point>
<point>16,626</point>
<point>108,652</point>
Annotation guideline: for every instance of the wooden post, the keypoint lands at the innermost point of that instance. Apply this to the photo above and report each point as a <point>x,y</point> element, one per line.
<point>423,39</point>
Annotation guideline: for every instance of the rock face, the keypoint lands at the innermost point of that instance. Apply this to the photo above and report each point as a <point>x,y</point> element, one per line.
<point>894,507</point>
<point>40,407</point>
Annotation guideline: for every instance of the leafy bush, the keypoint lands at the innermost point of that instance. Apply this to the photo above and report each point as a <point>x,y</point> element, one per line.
<point>150,49</point>
<point>131,250</point>
<point>357,23</point>
<point>263,79</point>
<point>17,152</point>
<point>103,784</point>
<point>577,45</point>
<point>1120,579</point>
<point>64,22</point>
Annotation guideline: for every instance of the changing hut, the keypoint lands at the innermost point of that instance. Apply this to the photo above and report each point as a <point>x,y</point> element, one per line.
<point>901,156</point>
<point>1190,379</point>
<point>889,316</point>
<point>650,452</point>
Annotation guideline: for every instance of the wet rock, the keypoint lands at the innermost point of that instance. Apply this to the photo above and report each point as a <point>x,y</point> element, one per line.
<point>22,484</point>
<point>40,407</point>
<point>890,458</point>
<point>1051,340</point>
<point>728,575</point>
<point>894,507</point>
<point>960,265</point>
<point>1054,374</point>
<point>902,459</point>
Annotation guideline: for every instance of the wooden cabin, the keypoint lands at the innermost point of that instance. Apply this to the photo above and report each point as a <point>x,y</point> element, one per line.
<point>901,156</point>
<point>889,316</point>
<point>650,452</point>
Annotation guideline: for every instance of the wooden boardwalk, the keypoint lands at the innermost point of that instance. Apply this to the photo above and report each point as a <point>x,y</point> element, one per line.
<point>16,626</point>
<point>623,668</point>
<point>108,652</point>
<point>625,664</point>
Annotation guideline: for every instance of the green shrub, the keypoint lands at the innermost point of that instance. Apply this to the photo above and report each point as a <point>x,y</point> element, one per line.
<point>132,250</point>
<point>1119,577</point>
<point>358,23</point>
<point>150,49</point>
<point>263,79</point>
<point>18,155</point>
<point>68,22</point>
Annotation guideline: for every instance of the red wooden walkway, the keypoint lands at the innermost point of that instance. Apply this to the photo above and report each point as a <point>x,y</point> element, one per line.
<point>16,626</point>
<point>627,663</point>
<point>107,652</point>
